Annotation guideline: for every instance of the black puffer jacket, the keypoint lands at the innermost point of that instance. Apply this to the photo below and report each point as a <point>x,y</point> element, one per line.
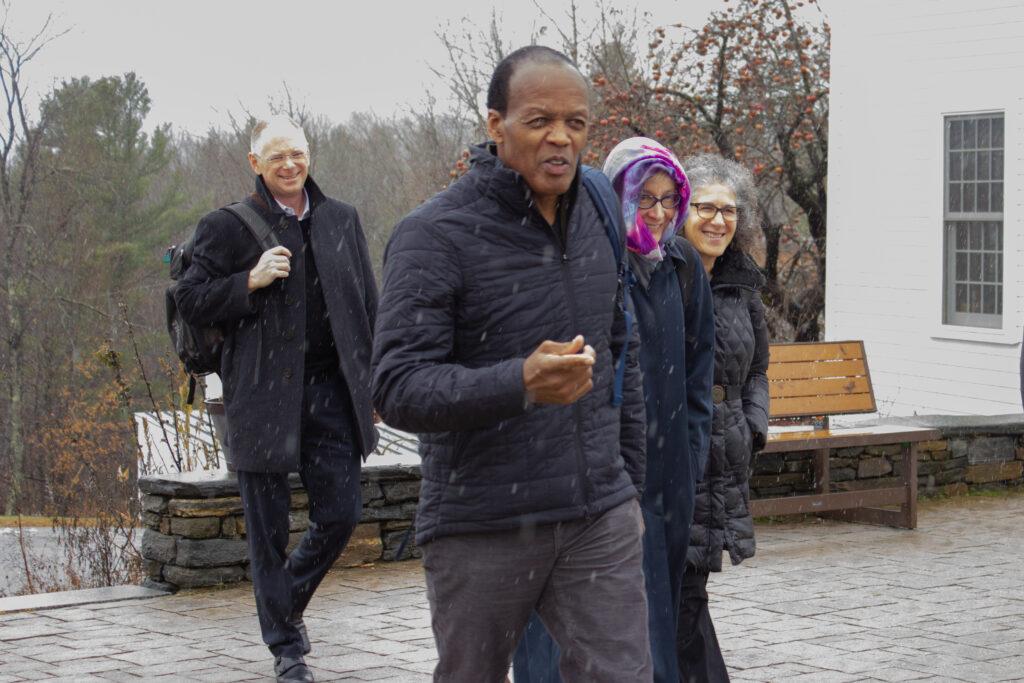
<point>474,280</point>
<point>721,518</point>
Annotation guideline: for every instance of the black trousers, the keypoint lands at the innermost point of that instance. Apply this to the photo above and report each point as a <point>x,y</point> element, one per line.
<point>700,657</point>
<point>283,582</point>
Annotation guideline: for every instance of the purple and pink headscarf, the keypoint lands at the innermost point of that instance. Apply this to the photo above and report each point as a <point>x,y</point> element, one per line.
<point>631,164</point>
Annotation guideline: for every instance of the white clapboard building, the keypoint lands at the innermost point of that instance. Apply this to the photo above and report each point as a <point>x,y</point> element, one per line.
<point>925,200</point>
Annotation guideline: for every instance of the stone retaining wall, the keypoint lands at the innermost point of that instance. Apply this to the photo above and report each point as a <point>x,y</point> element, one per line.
<point>973,453</point>
<point>195,532</point>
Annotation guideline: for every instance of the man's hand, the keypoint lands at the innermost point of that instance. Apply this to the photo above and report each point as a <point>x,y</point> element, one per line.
<point>559,372</point>
<point>273,264</point>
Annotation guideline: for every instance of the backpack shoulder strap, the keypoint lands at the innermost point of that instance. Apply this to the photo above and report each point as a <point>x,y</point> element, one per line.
<point>256,224</point>
<point>605,199</point>
<point>603,194</point>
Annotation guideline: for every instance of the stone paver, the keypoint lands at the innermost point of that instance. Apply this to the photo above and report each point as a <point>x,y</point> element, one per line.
<point>821,601</point>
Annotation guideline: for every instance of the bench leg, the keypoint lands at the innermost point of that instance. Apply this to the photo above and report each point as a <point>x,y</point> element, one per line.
<point>906,516</point>
<point>822,475</point>
<point>909,509</point>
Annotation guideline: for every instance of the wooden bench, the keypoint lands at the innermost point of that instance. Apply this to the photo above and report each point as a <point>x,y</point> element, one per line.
<point>808,383</point>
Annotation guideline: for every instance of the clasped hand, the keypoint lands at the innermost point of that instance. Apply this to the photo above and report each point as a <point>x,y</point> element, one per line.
<point>559,372</point>
<point>273,264</point>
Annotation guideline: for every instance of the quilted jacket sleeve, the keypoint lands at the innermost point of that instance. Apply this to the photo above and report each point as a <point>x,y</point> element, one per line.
<point>418,385</point>
<point>755,389</point>
<point>700,364</point>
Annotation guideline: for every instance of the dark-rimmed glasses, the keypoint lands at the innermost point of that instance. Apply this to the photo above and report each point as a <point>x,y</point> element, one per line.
<point>668,201</point>
<point>707,211</point>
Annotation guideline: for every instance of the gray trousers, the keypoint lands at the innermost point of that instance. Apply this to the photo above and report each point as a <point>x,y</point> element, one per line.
<point>584,578</point>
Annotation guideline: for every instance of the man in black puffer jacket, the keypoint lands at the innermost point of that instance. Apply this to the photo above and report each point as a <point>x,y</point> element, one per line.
<point>501,317</point>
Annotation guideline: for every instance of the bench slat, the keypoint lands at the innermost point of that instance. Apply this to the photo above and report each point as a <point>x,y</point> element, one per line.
<point>816,369</point>
<point>818,405</point>
<point>820,388</point>
<point>818,351</point>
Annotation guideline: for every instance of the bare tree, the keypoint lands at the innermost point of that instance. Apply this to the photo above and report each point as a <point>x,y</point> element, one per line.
<point>20,147</point>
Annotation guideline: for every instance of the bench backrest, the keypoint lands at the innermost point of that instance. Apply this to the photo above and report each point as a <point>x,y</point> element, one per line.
<point>819,378</point>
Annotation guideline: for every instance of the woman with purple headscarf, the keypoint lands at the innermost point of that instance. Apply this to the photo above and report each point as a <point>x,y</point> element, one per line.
<point>672,304</point>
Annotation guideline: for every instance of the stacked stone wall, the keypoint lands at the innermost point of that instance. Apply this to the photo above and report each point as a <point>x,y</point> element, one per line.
<point>194,529</point>
<point>950,466</point>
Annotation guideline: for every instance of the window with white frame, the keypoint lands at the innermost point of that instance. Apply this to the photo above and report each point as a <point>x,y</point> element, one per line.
<point>973,219</point>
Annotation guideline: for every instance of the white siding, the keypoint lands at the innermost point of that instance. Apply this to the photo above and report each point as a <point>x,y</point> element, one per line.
<point>899,67</point>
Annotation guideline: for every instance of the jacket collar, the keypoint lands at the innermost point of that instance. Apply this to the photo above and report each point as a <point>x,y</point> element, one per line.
<point>736,269</point>
<point>675,256</point>
<point>506,185</point>
<point>316,196</point>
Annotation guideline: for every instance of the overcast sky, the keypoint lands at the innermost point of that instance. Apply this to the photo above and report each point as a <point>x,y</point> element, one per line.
<point>204,59</point>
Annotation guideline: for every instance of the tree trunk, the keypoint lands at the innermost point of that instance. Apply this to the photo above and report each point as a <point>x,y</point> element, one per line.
<point>16,445</point>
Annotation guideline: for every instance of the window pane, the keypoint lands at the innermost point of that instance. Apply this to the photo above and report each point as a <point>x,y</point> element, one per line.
<point>983,141</point>
<point>997,132</point>
<point>955,168</point>
<point>956,138</point>
<point>988,296</point>
<point>975,273</point>
<point>983,165</point>
<point>992,236</point>
<point>999,268</point>
<point>954,197</point>
<point>967,204</point>
<point>961,267</point>
<point>997,165</point>
<point>961,235</point>
<point>997,197</point>
<point>989,267</point>
<point>969,137</point>
<point>961,298</point>
<point>970,172</point>
<point>999,300</point>
<point>977,235</point>
<point>974,299</point>
<point>982,203</point>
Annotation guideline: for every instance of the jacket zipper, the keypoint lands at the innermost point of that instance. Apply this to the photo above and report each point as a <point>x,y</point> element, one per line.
<point>576,410</point>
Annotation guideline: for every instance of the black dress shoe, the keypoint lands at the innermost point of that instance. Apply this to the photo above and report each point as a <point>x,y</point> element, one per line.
<point>292,670</point>
<point>299,624</point>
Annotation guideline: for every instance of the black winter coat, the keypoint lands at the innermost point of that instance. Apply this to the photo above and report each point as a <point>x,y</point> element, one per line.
<point>263,361</point>
<point>474,280</point>
<point>721,519</point>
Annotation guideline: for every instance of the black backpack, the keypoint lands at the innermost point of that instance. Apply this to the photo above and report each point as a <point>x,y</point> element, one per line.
<point>199,347</point>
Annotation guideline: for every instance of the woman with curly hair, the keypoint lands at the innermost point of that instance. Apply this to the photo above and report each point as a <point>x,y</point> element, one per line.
<point>722,224</point>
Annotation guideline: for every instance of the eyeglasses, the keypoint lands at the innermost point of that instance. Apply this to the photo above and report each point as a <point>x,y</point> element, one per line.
<point>708,211</point>
<point>669,201</point>
<point>297,157</point>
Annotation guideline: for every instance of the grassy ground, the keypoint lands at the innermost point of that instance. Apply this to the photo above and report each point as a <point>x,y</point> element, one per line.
<point>7,522</point>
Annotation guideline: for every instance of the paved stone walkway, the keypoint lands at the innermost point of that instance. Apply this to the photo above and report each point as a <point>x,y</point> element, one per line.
<point>822,601</point>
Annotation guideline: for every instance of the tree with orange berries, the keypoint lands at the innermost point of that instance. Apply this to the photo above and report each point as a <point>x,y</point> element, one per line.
<point>752,84</point>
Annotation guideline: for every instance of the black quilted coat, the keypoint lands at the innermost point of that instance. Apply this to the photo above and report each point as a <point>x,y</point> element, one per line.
<point>474,280</point>
<point>721,519</point>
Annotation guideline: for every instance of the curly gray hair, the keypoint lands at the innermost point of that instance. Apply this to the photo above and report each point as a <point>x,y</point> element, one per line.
<point>712,169</point>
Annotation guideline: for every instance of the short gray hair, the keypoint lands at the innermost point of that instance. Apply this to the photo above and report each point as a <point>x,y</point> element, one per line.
<point>712,169</point>
<point>276,125</point>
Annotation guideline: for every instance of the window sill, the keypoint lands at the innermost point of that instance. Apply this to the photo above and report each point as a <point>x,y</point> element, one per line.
<point>984,335</point>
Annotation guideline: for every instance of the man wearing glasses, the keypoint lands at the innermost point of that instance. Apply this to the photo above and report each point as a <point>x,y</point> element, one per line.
<point>297,320</point>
